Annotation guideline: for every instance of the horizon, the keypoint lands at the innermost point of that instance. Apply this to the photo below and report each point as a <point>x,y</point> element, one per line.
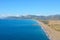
<point>29,7</point>
<point>3,16</point>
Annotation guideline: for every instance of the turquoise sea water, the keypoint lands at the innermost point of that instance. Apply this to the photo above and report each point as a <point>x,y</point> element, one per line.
<point>21,30</point>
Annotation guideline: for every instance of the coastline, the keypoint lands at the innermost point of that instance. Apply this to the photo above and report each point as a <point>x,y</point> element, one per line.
<point>51,33</point>
<point>40,23</point>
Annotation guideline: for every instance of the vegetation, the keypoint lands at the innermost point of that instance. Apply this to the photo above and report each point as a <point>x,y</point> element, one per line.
<point>45,21</point>
<point>53,24</point>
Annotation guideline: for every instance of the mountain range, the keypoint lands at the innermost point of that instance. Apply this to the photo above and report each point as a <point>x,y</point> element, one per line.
<point>51,17</point>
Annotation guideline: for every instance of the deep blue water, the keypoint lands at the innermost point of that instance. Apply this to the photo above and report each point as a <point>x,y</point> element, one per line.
<point>21,30</point>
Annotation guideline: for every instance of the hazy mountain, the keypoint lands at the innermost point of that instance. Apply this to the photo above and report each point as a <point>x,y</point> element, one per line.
<point>51,17</point>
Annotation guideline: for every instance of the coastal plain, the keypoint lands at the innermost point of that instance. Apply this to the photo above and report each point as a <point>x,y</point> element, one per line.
<point>52,28</point>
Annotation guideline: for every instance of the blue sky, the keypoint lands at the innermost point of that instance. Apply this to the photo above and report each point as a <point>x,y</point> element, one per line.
<point>35,7</point>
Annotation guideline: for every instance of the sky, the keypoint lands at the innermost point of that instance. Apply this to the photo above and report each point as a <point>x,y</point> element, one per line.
<point>26,7</point>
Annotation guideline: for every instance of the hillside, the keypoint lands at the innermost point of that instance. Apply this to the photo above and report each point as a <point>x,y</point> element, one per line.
<point>51,17</point>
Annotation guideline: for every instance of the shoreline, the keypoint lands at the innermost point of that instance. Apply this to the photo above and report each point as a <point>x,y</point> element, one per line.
<point>44,30</point>
<point>39,23</point>
<point>51,33</point>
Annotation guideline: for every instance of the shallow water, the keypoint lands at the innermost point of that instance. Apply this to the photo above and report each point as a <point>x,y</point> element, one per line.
<point>21,30</point>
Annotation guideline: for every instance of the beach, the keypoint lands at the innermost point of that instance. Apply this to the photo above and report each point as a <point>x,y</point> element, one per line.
<point>51,33</point>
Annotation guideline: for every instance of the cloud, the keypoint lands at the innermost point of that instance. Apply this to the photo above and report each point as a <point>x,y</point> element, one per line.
<point>6,15</point>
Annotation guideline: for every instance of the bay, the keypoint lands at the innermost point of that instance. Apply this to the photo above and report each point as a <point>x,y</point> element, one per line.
<point>21,30</point>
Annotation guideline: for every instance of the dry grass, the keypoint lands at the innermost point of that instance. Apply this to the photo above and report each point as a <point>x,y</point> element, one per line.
<point>54,24</point>
<point>53,28</point>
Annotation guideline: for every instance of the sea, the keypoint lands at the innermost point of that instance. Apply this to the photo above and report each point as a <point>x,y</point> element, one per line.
<point>23,29</point>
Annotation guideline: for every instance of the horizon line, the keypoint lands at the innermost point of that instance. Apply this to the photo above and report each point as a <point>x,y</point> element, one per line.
<point>18,15</point>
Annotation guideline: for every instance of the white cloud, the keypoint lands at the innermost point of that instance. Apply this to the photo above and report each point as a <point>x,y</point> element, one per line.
<point>5,15</point>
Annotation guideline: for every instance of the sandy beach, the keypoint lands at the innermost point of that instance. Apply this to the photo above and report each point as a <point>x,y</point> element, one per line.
<point>51,33</point>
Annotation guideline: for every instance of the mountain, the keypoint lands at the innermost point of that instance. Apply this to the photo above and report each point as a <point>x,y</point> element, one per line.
<point>51,17</point>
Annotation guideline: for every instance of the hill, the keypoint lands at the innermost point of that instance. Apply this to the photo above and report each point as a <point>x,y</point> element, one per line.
<point>51,17</point>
